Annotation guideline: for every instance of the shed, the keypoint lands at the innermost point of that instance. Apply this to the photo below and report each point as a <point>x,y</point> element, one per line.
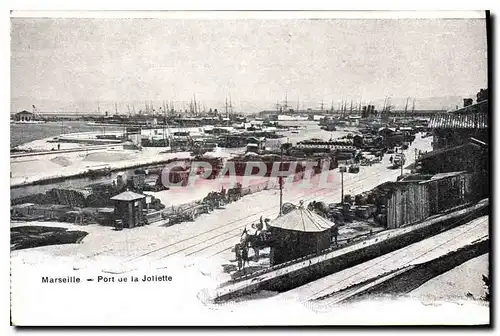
<point>24,116</point>
<point>417,197</point>
<point>128,208</point>
<point>298,233</point>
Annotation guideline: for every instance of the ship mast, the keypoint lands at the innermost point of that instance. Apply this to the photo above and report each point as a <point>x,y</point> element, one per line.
<point>230,110</point>
<point>230,105</point>
<point>164,123</point>
<point>194,98</point>
<point>227,115</point>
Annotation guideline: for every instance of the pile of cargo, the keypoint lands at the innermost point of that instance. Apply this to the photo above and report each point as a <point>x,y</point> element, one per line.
<point>214,200</point>
<point>23,237</point>
<point>35,198</point>
<point>70,197</point>
<point>77,205</point>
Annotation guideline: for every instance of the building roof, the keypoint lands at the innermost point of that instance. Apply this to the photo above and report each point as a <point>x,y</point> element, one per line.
<point>127,196</point>
<point>303,220</point>
<point>465,146</point>
<point>441,176</point>
<point>453,121</point>
<point>474,108</point>
<point>473,144</point>
<point>392,129</point>
<point>24,112</point>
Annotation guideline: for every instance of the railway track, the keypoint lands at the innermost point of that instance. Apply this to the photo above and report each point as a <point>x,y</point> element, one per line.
<point>231,235</point>
<point>222,238</point>
<point>405,258</point>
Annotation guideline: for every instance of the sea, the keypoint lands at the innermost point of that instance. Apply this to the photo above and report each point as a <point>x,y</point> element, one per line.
<point>23,133</point>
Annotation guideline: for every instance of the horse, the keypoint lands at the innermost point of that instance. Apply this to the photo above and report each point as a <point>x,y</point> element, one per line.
<point>256,240</point>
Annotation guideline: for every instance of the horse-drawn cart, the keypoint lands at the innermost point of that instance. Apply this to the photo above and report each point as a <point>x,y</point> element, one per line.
<point>186,215</point>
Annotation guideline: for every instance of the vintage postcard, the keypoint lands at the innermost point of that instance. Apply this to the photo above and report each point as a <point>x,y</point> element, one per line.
<point>249,168</point>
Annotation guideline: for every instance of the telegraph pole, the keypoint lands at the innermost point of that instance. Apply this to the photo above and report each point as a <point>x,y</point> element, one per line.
<point>402,163</point>
<point>280,180</point>
<point>342,170</point>
<point>342,191</point>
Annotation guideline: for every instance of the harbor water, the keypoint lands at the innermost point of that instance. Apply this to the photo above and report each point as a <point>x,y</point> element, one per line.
<point>23,133</point>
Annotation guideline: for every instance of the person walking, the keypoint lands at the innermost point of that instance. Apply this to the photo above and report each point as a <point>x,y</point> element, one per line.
<point>335,234</point>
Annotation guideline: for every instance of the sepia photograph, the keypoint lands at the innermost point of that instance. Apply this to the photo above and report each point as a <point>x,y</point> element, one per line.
<point>274,168</point>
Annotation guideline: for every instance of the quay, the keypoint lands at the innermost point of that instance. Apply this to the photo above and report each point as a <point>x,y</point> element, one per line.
<point>43,168</point>
<point>295,273</point>
<point>459,244</point>
<point>62,151</point>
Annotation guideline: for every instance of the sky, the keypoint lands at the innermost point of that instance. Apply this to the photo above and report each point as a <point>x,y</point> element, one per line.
<point>68,64</point>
